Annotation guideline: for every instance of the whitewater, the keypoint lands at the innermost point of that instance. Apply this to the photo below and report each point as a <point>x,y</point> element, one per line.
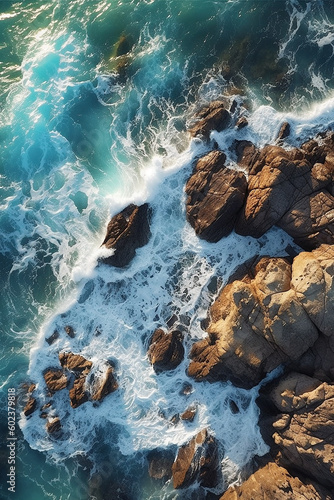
<point>96,98</point>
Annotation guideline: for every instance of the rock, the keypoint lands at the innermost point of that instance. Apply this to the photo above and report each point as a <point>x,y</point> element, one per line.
<point>104,385</point>
<point>284,131</point>
<point>215,196</point>
<point>53,426</point>
<point>246,154</point>
<point>78,393</point>
<point>241,123</point>
<point>70,331</point>
<point>189,414</point>
<point>166,350</point>
<point>50,340</point>
<point>75,362</point>
<point>127,231</point>
<point>291,189</point>
<point>197,461</point>
<point>304,437</point>
<point>55,379</point>
<point>313,283</point>
<point>160,464</point>
<point>212,117</point>
<point>318,360</point>
<point>273,482</point>
<point>30,407</point>
<point>255,324</point>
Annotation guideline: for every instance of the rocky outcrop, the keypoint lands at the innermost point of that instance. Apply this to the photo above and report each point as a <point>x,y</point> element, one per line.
<point>75,362</point>
<point>272,315</point>
<point>53,426</point>
<point>215,196</point>
<point>212,117</point>
<point>30,406</point>
<point>104,384</point>
<point>290,189</point>
<point>55,379</point>
<point>79,393</point>
<point>127,231</point>
<point>166,350</point>
<point>197,461</point>
<point>304,432</point>
<point>273,482</point>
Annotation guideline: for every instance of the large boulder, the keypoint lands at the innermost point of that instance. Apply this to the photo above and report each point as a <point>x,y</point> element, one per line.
<point>293,190</point>
<point>55,379</point>
<point>303,432</point>
<point>273,482</point>
<point>75,362</point>
<point>197,461</point>
<point>104,384</point>
<point>166,350</point>
<point>255,324</point>
<point>79,393</point>
<point>211,117</point>
<point>215,196</point>
<point>127,231</point>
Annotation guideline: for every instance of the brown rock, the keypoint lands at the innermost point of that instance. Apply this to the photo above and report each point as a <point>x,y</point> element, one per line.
<point>255,324</point>
<point>75,362</point>
<point>197,461</point>
<point>215,196</point>
<point>291,189</point>
<point>246,154</point>
<point>284,131</point>
<point>313,283</point>
<point>127,231</point>
<point>104,385</point>
<point>273,482</point>
<point>166,350</point>
<point>189,414</point>
<point>212,117</point>
<point>78,393</point>
<point>305,436</point>
<point>53,426</point>
<point>55,379</point>
<point>30,407</point>
<point>241,123</point>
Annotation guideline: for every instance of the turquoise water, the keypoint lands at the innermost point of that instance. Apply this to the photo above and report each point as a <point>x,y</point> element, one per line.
<point>95,97</point>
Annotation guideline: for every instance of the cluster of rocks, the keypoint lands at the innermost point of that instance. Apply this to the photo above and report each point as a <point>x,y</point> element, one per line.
<point>290,189</point>
<point>76,374</point>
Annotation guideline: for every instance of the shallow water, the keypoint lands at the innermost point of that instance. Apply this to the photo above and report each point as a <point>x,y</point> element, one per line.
<point>95,98</point>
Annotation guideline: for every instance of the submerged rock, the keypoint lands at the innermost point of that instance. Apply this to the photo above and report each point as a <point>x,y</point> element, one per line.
<point>215,196</point>
<point>212,117</point>
<point>273,482</point>
<point>166,350</point>
<point>160,464</point>
<point>272,315</point>
<point>197,461</point>
<point>127,231</point>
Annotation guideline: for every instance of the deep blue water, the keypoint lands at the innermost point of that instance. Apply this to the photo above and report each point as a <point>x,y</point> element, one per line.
<point>95,98</point>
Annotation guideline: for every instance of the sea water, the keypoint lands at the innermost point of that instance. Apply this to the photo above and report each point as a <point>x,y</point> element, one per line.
<point>95,100</point>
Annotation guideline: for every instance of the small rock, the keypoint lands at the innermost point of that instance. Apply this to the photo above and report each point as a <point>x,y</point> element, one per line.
<point>30,407</point>
<point>55,379</point>
<point>53,338</point>
<point>53,426</point>
<point>189,414</point>
<point>241,123</point>
<point>70,332</point>
<point>166,350</point>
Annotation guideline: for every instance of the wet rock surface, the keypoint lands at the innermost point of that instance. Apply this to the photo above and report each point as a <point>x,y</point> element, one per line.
<point>211,117</point>
<point>127,231</point>
<point>215,196</point>
<point>197,461</point>
<point>166,350</point>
